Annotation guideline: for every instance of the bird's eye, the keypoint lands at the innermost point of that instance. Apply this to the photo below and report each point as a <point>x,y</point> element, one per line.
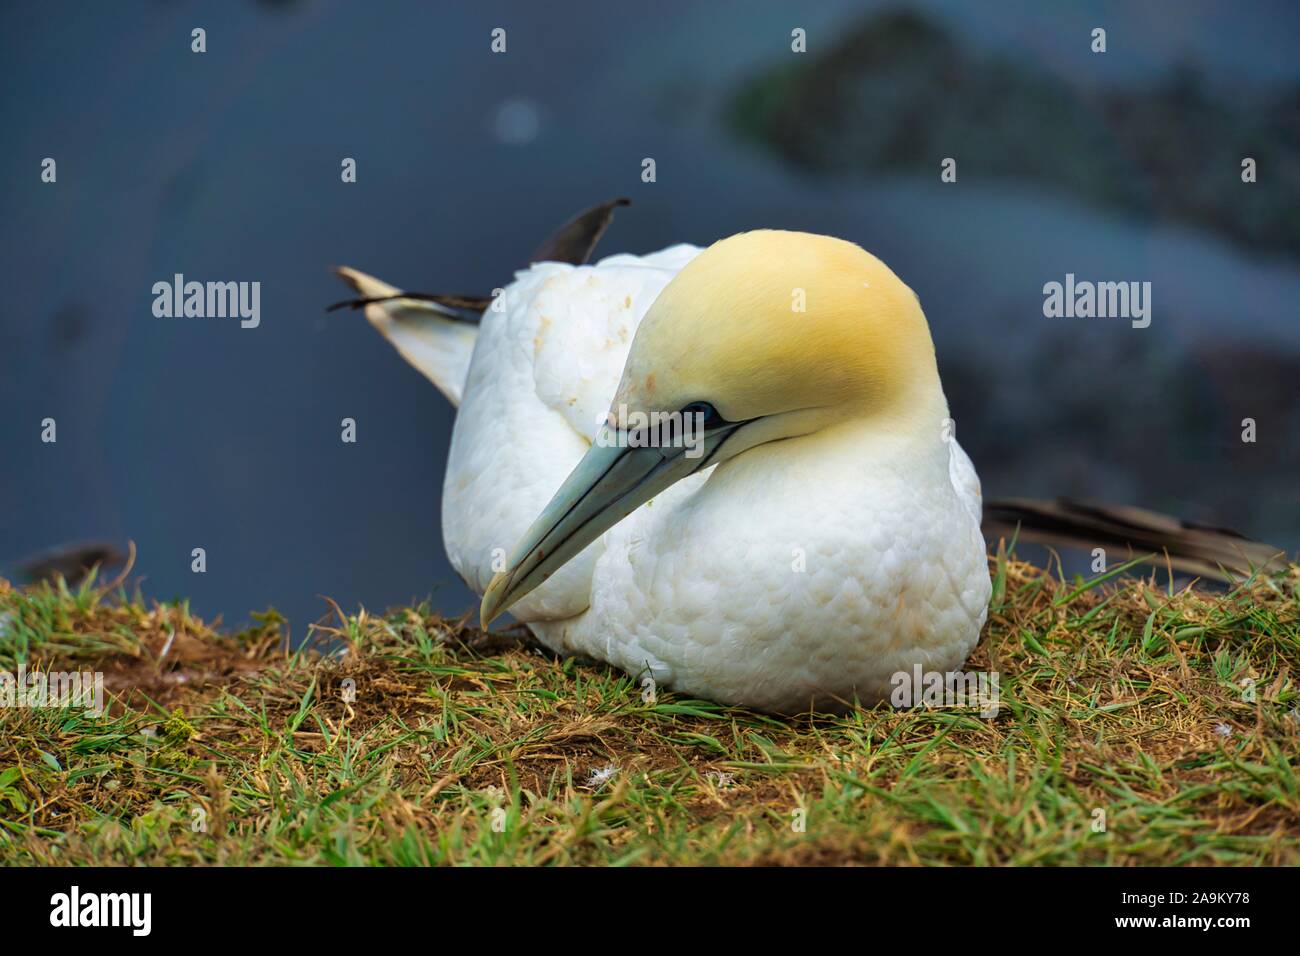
<point>709,414</point>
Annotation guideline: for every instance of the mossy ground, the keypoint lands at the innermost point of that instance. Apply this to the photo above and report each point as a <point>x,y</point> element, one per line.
<point>1174,714</point>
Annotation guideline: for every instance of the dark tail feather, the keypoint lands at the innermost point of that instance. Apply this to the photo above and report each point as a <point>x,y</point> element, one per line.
<point>1191,548</point>
<point>573,243</point>
<point>462,308</point>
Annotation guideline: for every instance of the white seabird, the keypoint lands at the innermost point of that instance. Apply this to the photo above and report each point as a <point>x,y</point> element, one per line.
<point>826,538</point>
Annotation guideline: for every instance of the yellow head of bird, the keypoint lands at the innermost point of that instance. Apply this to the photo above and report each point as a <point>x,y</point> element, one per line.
<point>770,323</point>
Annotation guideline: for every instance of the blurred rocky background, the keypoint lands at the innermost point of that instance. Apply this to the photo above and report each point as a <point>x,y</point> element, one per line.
<point>1123,166</point>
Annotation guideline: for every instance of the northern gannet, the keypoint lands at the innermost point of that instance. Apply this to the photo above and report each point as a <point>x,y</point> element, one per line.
<point>824,536</point>
<point>822,542</point>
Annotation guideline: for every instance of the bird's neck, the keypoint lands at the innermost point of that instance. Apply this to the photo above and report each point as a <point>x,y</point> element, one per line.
<point>908,440</point>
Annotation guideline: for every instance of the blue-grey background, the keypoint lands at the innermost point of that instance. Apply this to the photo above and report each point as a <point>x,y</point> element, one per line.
<point>180,433</point>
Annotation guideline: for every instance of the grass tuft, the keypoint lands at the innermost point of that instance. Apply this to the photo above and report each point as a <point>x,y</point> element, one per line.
<point>1172,717</point>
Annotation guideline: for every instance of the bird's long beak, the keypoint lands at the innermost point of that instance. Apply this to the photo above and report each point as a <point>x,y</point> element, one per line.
<point>610,482</point>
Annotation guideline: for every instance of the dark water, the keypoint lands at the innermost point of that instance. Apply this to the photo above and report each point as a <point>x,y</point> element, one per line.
<point>184,433</point>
